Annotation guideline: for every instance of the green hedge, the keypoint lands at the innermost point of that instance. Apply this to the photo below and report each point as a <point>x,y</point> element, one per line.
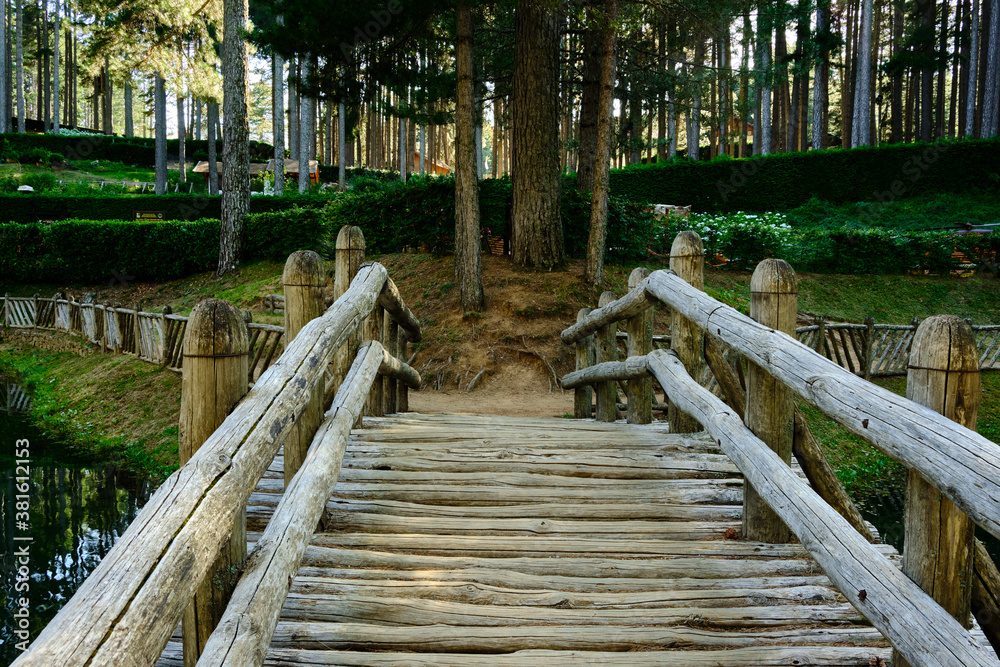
<point>28,207</point>
<point>423,213</point>
<point>97,251</point>
<point>783,181</point>
<point>131,151</point>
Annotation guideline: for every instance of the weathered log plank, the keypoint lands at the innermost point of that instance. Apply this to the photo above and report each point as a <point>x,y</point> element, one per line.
<point>244,632</point>
<point>964,465</point>
<point>921,630</point>
<point>606,371</point>
<point>134,599</point>
<point>630,305</point>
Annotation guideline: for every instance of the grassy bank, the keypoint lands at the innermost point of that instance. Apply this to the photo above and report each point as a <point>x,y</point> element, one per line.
<point>107,408</point>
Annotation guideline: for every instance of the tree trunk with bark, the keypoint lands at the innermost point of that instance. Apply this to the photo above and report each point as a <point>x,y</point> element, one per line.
<point>293,110</point>
<point>4,71</point>
<point>537,222</point>
<point>160,113</point>
<point>305,126</point>
<point>181,140</point>
<point>602,157</point>
<point>236,135</point>
<point>860,131</point>
<point>56,25</point>
<point>764,49</point>
<point>19,63</point>
<point>278,113</point>
<point>970,99</point>
<point>992,74</point>
<point>468,272</point>
<point>211,133</point>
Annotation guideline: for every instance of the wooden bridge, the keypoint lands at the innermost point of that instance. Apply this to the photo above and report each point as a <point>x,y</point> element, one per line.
<point>379,537</point>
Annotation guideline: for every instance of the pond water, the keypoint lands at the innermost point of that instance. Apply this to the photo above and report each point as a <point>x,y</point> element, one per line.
<point>77,509</point>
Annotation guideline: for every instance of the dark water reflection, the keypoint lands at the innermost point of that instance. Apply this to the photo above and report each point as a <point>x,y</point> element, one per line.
<point>78,509</point>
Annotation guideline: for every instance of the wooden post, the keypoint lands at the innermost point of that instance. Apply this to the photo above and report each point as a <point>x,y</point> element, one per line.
<point>585,354</point>
<point>303,280</point>
<point>606,349</point>
<point>390,341</point>
<point>939,554</point>
<point>136,332</point>
<point>34,303</point>
<point>869,346</point>
<point>687,260</point>
<point>640,343</point>
<point>770,409</point>
<point>373,331</point>
<point>350,255</point>
<point>213,381</point>
<point>163,335</point>
<point>6,309</point>
<point>402,391</point>
<point>820,343</point>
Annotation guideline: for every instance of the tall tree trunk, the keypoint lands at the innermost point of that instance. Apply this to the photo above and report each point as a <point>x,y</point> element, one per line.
<point>861,127</point>
<point>181,140</point>
<point>942,88</point>
<point>236,137</point>
<point>278,123</point>
<point>293,109</point>
<point>725,103</point>
<point>46,78</point>
<point>107,110</point>
<point>538,238</point>
<point>991,112</point>
<point>602,157</point>
<point>927,13</point>
<point>779,115</point>
<point>341,146</point>
<point>764,49</point>
<point>129,122</point>
<point>672,87</point>
<point>19,64</point>
<point>56,26</point>
<point>305,125</point>
<point>970,100</point>
<point>468,251</point>
<point>196,121</point>
<point>160,111</point>
<point>745,83</point>
<point>896,111</point>
<point>212,135</point>
<point>694,118</point>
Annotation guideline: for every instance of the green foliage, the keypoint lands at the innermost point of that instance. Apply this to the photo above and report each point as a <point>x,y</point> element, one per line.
<point>94,251</point>
<point>784,181</point>
<point>92,205</point>
<point>41,181</point>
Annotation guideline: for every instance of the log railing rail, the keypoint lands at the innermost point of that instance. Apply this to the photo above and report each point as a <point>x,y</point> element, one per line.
<point>126,610</point>
<point>961,464</point>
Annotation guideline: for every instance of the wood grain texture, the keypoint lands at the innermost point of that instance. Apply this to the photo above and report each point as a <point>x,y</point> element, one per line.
<point>583,396</point>
<point>134,599</point>
<point>606,350</point>
<point>962,464</point>
<point>687,261</point>
<point>921,630</point>
<point>640,343</point>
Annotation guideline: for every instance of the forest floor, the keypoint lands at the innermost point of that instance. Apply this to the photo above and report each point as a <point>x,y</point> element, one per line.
<point>515,341</point>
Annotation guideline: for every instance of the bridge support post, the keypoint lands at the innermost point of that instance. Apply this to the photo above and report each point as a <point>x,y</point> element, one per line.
<point>350,255</point>
<point>390,341</point>
<point>585,355</point>
<point>402,391</point>
<point>640,343</point>
<point>606,348</point>
<point>770,409</point>
<point>303,281</point>
<point>214,379</point>
<point>373,331</point>
<point>939,554</point>
<point>687,260</point>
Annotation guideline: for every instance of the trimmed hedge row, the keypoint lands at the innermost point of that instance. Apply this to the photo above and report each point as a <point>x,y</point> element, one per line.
<point>24,208</point>
<point>131,151</point>
<point>783,181</point>
<point>95,251</point>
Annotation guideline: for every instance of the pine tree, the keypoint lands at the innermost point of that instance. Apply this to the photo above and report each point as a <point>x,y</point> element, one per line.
<point>236,144</point>
<point>468,272</point>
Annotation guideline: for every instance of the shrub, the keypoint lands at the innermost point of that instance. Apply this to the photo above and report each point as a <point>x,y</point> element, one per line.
<point>41,181</point>
<point>783,181</point>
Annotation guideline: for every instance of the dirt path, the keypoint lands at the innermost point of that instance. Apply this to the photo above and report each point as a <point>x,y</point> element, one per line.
<point>514,391</point>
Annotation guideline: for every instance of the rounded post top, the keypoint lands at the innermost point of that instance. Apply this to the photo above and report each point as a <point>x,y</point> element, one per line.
<point>945,343</point>
<point>215,328</point>
<point>687,244</point>
<point>606,298</point>
<point>580,316</point>
<point>350,238</point>
<point>774,276</point>
<point>304,268</point>
<point>638,274</point>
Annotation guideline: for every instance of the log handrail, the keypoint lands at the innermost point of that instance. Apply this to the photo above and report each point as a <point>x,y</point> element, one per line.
<point>133,600</point>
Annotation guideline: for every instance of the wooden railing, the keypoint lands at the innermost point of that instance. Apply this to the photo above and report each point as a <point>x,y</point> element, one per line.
<point>949,456</point>
<point>126,610</point>
<point>13,398</point>
<point>153,337</point>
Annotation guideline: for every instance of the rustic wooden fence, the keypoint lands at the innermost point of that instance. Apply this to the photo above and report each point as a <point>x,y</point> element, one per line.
<point>162,569</point>
<point>153,337</point>
<point>13,398</point>
<point>954,472</point>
